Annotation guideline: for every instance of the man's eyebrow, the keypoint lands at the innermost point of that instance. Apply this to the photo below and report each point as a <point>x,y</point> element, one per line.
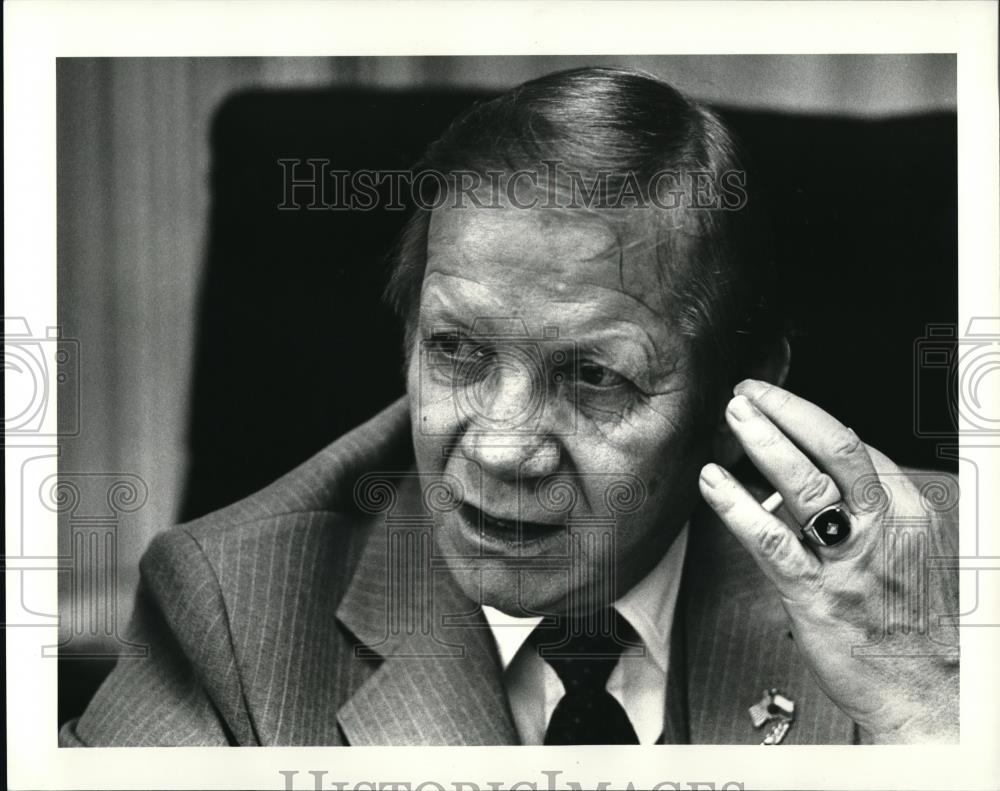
<point>440,317</point>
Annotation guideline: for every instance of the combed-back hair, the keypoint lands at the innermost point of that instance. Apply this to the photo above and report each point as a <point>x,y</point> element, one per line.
<point>715,266</point>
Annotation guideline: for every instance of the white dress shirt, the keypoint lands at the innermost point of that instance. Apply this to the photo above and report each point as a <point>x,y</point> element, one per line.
<point>639,680</point>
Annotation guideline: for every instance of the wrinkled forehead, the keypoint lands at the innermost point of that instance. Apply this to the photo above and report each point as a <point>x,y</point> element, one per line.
<point>553,251</point>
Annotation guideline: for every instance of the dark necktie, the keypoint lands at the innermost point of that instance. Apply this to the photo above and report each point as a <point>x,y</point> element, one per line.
<point>583,652</point>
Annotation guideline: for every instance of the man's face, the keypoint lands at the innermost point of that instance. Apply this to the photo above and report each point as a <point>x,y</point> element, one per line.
<point>546,368</point>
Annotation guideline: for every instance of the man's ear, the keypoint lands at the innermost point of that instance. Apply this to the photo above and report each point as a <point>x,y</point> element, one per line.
<point>781,364</point>
<point>727,449</point>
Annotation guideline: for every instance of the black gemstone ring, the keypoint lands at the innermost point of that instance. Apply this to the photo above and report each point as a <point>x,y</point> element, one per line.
<point>829,527</point>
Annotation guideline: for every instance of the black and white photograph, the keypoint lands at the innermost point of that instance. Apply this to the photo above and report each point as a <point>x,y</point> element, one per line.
<point>553,398</point>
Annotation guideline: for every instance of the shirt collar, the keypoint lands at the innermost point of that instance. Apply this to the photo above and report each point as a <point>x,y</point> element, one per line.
<point>509,631</point>
<point>648,607</point>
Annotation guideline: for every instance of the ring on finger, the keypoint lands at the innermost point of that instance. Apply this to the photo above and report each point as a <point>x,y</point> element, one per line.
<point>828,526</point>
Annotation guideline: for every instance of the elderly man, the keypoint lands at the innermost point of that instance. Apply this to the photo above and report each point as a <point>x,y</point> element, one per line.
<point>542,544</point>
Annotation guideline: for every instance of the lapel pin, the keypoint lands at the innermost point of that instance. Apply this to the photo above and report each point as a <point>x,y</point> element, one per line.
<point>776,708</point>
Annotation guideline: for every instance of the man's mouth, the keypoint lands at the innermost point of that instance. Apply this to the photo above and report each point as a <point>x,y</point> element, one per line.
<point>507,532</point>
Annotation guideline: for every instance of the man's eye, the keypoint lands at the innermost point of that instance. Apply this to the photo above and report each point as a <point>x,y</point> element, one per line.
<point>596,375</point>
<point>461,350</point>
<point>445,344</point>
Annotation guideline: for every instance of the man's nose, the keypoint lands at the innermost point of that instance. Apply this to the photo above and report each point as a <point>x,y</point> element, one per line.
<point>510,435</point>
<point>512,457</point>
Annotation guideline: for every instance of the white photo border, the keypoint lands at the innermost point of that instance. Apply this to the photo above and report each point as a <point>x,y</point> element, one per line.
<point>36,33</point>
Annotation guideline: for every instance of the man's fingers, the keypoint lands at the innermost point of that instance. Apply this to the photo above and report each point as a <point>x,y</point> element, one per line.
<point>805,489</point>
<point>835,449</point>
<point>772,544</point>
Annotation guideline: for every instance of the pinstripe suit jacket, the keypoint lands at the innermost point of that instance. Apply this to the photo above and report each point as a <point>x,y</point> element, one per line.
<point>271,623</point>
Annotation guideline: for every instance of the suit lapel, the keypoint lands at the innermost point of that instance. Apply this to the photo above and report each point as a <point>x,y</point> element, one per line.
<point>438,679</point>
<point>675,718</point>
<point>737,643</point>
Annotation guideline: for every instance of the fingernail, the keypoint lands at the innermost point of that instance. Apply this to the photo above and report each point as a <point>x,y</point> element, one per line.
<point>740,408</point>
<point>712,474</point>
<point>749,386</point>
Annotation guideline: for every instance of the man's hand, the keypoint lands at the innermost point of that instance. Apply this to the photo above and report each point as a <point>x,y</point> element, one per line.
<point>836,595</point>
